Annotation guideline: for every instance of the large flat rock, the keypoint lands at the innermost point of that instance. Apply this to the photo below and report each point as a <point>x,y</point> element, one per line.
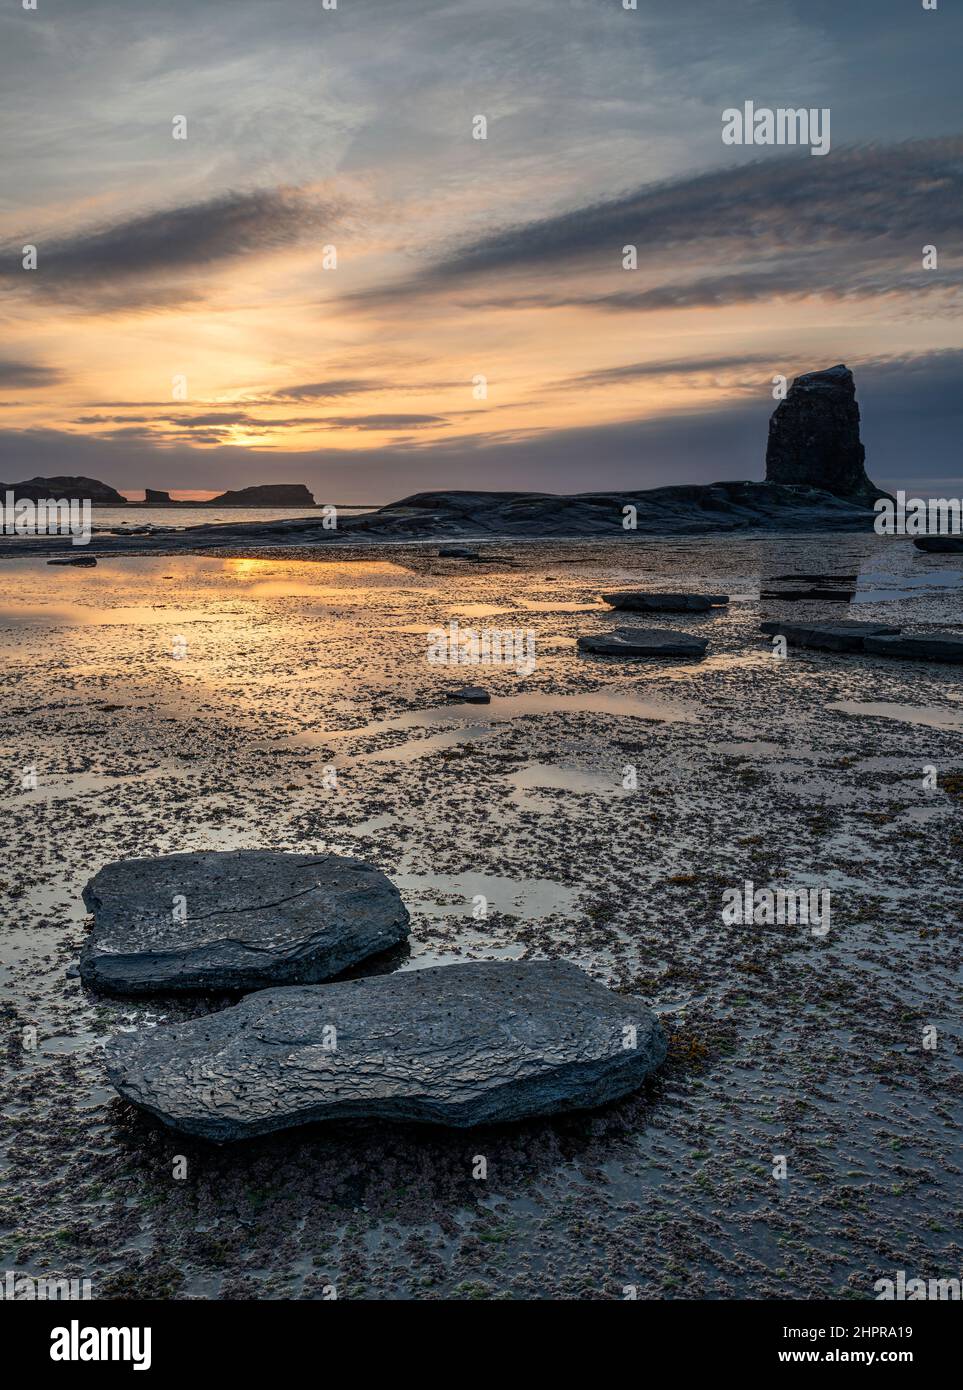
<point>638,601</point>
<point>252,918</point>
<point>643,642</point>
<point>829,637</point>
<point>456,1045</point>
<point>939,647</point>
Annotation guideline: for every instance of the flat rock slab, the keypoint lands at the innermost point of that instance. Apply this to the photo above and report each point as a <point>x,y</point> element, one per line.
<point>939,647</point>
<point>637,601</point>
<point>644,642</point>
<point>829,637</point>
<point>253,918</point>
<point>459,1045</point>
<point>820,595</point>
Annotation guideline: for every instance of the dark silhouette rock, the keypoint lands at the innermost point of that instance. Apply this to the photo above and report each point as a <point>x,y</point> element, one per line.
<point>72,488</point>
<point>644,642</point>
<point>265,495</point>
<point>248,919</point>
<point>153,497</point>
<point>458,1045</point>
<point>814,438</point>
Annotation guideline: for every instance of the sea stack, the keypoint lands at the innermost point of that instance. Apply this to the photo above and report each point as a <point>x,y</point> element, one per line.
<point>814,438</point>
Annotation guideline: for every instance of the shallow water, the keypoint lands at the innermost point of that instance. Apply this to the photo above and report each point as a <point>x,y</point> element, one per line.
<point>807,771</point>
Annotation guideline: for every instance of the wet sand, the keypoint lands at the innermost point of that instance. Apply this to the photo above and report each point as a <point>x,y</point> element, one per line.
<point>803,772</point>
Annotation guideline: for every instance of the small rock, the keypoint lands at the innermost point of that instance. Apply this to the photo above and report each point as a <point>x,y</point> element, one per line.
<point>940,545</point>
<point>458,1045</point>
<point>471,695</point>
<point>644,641</point>
<point>252,918</point>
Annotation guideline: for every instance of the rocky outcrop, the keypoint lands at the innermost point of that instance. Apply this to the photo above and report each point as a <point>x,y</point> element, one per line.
<point>457,1045</point>
<point>72,488</point>
<point>244,919</point>
<point>814,438</point>
<point>688,509</point>
<point>644,642</point>
<point>153,497</point>
<point>638,601</point>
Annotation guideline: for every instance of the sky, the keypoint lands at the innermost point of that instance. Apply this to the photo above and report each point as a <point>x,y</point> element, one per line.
<point>330,280</point>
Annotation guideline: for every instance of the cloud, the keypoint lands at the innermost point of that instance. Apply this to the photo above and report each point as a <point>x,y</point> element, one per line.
<point>128,264</point>
<point>690,233</point>
<point>26,375</point>
<point>385,422</point>
<point>325,390</point>
<point>641,371</point>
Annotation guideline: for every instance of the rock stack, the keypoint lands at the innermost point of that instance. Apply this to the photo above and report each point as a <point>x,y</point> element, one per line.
<point>814,438</point>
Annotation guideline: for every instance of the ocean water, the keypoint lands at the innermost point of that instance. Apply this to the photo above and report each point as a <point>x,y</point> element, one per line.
<point>106,518</point>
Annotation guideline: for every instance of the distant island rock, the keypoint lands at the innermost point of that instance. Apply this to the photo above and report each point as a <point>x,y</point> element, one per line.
<point>264,495</point>
<point>71,488</point>
<point>103,495</point>
<point>814,437</point>
<point>260,495</point>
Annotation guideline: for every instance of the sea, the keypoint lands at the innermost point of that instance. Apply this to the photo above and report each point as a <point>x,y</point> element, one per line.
<point>108,518</point>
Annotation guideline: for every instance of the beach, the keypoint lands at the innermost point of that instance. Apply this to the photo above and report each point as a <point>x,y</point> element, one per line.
<point>599,809</point>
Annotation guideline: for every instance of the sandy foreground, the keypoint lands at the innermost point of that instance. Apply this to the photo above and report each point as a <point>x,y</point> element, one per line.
<point>804,772</point>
